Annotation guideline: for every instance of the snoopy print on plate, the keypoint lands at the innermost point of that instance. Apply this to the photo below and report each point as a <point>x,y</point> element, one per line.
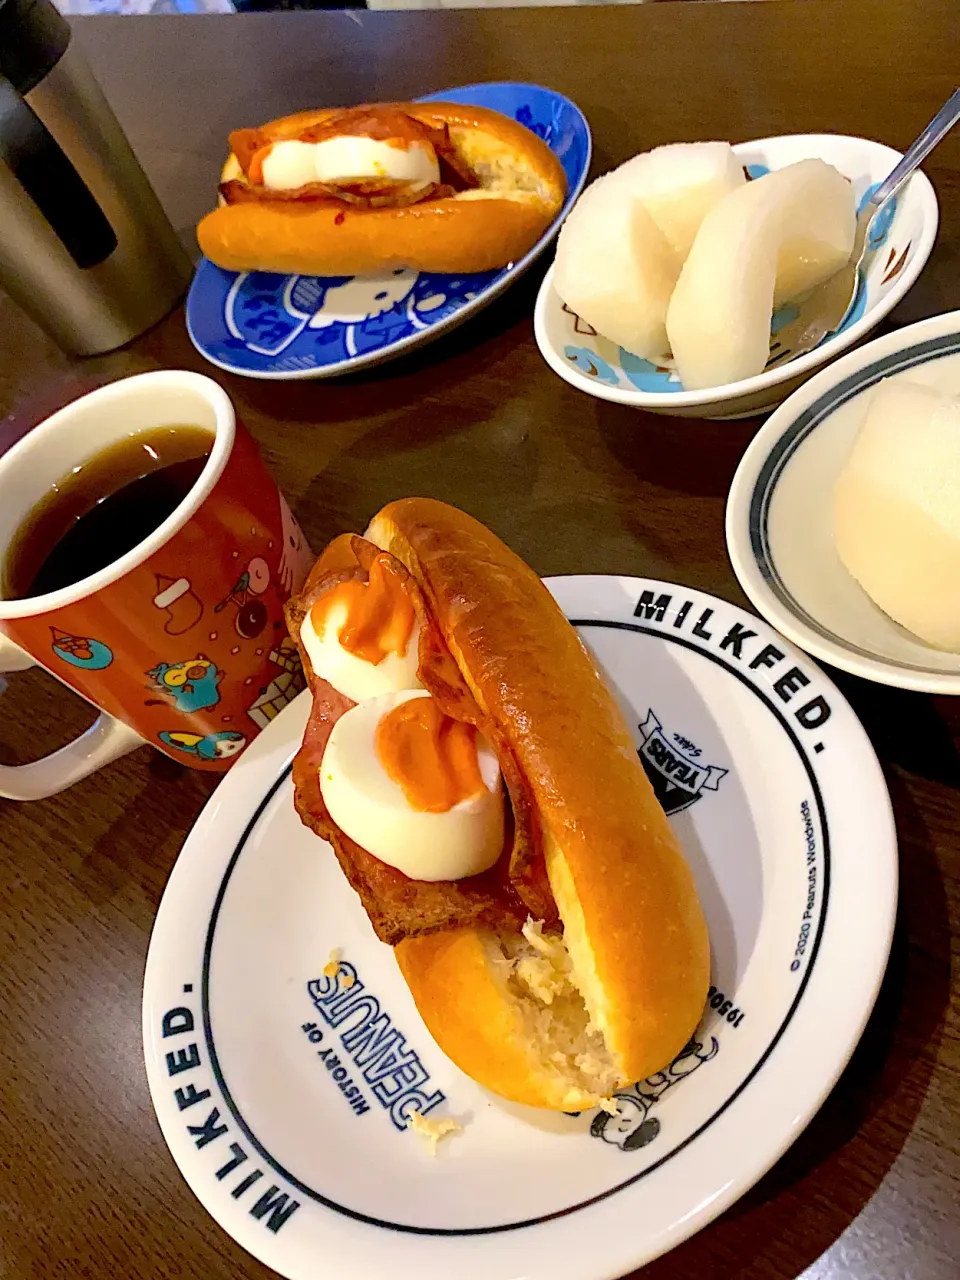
<point>285,1055</point>
<point>274,326</point>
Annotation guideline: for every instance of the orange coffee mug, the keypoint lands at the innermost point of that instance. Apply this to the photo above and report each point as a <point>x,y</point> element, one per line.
<point>180,642</point>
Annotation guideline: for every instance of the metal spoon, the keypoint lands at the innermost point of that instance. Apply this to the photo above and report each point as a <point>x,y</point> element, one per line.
<point>825,308</point>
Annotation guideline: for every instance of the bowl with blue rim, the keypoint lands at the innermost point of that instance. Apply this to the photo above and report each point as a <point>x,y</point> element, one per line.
<point>284,327</point>
<point>906,235</point>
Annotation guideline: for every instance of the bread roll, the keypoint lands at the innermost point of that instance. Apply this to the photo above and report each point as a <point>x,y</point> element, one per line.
<point>545,1021</point>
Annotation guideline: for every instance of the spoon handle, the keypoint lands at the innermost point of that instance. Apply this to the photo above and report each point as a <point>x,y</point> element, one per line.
<point>941,124</point>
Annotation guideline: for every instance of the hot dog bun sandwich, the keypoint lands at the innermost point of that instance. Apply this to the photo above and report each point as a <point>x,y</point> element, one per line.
<point>434,186</point>
<point>484,797</point>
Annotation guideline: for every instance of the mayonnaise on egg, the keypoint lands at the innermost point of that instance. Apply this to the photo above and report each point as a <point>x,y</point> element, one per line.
<point>363,638</point>
<point>376,811</point>
<point>292,164</point>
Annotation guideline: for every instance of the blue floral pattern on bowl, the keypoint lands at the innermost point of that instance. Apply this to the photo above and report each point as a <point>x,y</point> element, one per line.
<point>273,326</point>
<point>591,364</point>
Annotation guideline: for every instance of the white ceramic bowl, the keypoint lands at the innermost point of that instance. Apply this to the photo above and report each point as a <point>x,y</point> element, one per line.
<point>590,362</point>
<point>778,513</point>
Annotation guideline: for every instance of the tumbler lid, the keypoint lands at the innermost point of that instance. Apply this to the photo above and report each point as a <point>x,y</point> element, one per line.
<point>33,38</point>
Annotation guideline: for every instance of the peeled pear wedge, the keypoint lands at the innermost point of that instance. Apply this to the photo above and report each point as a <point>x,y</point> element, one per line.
<point>616,269</point>
<point>763,244</point>
<point>679,184</point>
<point>896,509</point>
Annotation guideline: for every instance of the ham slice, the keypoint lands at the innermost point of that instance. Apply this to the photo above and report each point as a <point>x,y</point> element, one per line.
<point>375,193</point>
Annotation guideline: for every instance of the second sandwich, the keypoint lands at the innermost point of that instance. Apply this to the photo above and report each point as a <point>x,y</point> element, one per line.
<point>433,186</point>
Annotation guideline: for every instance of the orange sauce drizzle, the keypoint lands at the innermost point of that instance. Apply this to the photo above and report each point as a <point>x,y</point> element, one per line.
<point>380,614</point>
<point>430,755</point>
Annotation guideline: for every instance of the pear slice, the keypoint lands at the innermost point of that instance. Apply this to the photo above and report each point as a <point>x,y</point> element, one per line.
<point>679,184</point>
<point>616,269</point>
<point>766,242</point>
<point>896,509</point>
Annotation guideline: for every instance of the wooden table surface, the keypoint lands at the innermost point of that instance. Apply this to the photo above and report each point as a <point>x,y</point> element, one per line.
<point>87,1188</point>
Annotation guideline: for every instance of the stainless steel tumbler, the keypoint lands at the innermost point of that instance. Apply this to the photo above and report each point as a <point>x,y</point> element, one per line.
<point>85,246</point>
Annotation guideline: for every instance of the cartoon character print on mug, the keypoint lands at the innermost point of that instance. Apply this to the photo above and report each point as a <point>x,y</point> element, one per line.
<point>236,696</point>
<point>197,628</point>
<point>81,651</point>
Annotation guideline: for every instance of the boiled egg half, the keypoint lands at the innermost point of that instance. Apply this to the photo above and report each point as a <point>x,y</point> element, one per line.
<point>351,675</point>
<point>375,811</point>
<point>291,164</point>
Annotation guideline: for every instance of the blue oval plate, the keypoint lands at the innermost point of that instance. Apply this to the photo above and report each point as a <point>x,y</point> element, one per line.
<point>263,325</point>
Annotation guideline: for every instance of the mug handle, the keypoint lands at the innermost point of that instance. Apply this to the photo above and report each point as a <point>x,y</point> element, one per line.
<point>105,740</point>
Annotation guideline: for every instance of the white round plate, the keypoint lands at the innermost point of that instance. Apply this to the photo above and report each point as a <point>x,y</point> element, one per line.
<point>779,523</point>
<point>907,231</point>
<point>281,1091</point>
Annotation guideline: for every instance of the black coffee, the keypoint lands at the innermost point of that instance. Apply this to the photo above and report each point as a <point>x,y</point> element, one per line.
<point>104,508</point>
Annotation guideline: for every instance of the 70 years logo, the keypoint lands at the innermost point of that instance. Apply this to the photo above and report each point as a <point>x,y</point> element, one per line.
<point>675,766</point>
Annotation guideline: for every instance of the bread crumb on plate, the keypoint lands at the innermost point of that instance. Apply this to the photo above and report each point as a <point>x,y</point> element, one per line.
<point>431,1131</point>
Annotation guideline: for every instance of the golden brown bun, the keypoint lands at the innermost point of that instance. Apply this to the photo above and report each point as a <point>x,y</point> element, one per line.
<point>446,236</point>
<point>522,190</point>
<point>633,926</point>
<point>458,995</point>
